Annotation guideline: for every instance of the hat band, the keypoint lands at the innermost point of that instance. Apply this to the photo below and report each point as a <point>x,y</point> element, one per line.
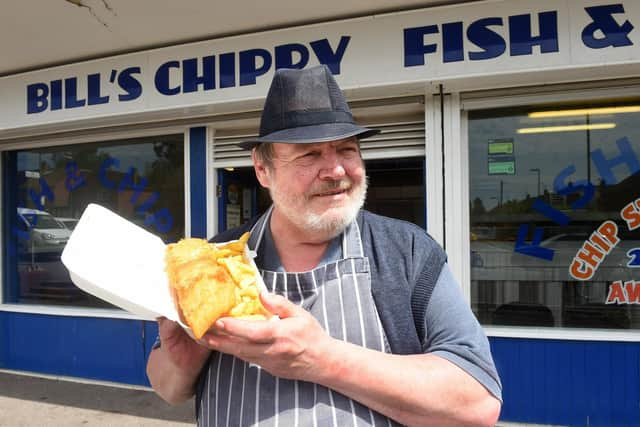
<point>293,119</point>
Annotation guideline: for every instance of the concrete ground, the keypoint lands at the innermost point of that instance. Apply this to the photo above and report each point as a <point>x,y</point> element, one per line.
<point>33,401</point>
<point>27,401</point>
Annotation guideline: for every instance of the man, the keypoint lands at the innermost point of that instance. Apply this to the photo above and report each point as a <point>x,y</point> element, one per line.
<point>372,328</point>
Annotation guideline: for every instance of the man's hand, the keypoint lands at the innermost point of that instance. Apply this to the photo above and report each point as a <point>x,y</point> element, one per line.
<point>182,351</point>
<point>414,390</point>
<point>174,367</point>
<point>290,347</point>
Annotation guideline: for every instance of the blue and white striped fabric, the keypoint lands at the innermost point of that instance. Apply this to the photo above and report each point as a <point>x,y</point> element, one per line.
<point>338,294</point>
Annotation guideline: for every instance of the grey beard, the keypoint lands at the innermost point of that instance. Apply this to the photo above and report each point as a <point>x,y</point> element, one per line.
<point>334,226</point>
<point>328,228</point>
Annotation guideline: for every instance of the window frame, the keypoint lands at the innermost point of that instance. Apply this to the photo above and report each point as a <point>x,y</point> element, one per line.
<point>84,137</point>
<point>457,226</point>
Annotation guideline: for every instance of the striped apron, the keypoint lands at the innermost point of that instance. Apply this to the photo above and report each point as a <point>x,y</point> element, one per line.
<point>338,294</point>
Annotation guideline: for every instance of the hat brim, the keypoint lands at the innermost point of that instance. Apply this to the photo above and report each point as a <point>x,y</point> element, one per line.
<point>309,134</point>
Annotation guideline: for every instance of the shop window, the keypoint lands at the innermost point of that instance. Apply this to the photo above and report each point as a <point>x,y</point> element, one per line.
<point>555,215</point>
<point>47,189</point>
<point>396,189</point>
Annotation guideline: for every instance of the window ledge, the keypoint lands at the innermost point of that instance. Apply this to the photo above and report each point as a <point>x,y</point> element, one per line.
<point>576,334</point>
<point>69,311</point>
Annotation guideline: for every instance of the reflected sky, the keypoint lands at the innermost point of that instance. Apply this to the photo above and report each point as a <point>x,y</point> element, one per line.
<point>549,153</point>
<point>137,155</point>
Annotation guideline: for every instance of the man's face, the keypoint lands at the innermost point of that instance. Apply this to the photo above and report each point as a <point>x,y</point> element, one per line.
<point>318,187</point>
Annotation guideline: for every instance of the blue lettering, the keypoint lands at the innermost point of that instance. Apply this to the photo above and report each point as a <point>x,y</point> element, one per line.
<point>71,94</point>
<point>37,98</point>
<point>102,175</point>
<point>41,97</point>
<point>128,83</point>
<point>604,24</point>
<point>249,70</point>
<point>56,95</point>
<point>21,237</point>
<point>161,219</point>
<point>627,156</point>
<point>93,88</point>
<point>137,185</point>
<point>491,43</point>
<point>521,39</point>
<point>128,180</point>
<point>284,56</point>
<point>452,42</point>
<point>162,78</point>
<point>190,78</point>
<point>74,177</point>
<point>45,193</point>
<point>583,186</point>
<point>414,47</point>
<point>24,235</point>
<point>227,65</point>
<point>327,56</point>
<point>147,204</point>
<point>534,249</point>
<point>634,258</point>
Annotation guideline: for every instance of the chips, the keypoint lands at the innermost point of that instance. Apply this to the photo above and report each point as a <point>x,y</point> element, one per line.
<point>210,281</point>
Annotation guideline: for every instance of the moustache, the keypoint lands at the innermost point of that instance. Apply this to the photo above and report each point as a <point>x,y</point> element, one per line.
<point>332,186</point>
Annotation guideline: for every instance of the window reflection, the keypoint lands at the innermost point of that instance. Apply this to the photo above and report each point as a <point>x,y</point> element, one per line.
<point>141,179</point>
<point>542,182</point>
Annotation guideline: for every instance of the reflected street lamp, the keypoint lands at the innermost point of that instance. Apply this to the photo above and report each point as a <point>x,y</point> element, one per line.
<point>501,193</point>
<point>537,170</point>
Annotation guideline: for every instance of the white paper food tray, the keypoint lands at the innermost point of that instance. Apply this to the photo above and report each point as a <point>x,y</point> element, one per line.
<point>123,264</point>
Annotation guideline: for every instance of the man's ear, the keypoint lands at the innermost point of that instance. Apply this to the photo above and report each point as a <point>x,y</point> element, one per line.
<point>262,171</point>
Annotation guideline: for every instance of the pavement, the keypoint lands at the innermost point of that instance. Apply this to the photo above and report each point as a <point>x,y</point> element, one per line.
<point>27,400</point>
<point>35,401</point>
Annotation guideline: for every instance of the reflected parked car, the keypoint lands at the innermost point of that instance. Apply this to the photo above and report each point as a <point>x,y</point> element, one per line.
<point>497,260</point>
<point>45,233</point>
<point>70,223</point>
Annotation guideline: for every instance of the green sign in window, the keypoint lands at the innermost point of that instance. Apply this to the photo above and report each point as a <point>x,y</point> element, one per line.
<point>501,146</point>
<point>502,168</point>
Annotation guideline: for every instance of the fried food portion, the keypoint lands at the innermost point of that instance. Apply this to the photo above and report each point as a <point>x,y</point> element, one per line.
<point>212,281</point>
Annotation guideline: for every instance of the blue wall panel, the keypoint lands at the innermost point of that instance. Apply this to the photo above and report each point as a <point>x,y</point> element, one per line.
<point>150,336</point>
<point>198,181</point>
<point>102,349</point>
<point>574,383</point>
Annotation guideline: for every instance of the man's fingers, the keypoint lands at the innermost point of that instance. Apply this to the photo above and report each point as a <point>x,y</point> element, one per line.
<point>279,305</point>
<point>236,345</point>
<point>255,331</point>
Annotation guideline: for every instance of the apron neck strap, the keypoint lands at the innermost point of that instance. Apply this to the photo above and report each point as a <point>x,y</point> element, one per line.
<point>260,226</point>
<point>351,241</point>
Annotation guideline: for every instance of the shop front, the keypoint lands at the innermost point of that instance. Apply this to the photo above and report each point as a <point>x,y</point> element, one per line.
<point>509,132</point>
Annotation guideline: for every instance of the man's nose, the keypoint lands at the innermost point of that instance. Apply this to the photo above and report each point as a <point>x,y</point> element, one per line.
<point>332,166</point>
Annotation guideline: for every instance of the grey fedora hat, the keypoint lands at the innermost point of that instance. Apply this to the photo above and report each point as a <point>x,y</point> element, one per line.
<point>306,106</point>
